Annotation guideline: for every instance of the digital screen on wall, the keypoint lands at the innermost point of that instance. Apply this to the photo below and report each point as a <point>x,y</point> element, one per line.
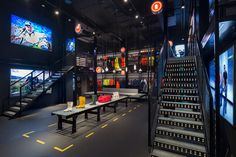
<point>211,9</point>
<point>70,45</point>
<point>18,77</point>
<point>179,50</point>
<point>27,33</point>
<point>226,67</point>
<point>212,74</point>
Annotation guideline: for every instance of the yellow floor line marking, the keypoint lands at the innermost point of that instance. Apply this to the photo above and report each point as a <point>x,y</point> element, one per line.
<point>92,133</point>
<point>115,119</point>
<point>63,150</point>
<point>104,126</point>
<point>123,114</point>
<point>130,111</point>
<point>52,125</point>
<point>27,134</point>
<point>40,142</point>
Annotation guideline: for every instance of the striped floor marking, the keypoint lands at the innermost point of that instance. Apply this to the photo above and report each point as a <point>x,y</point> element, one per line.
<point>51,125</point>
<point>89,135</point>
<point>63,150</point>
<point>115,119</point>
<point>130,111</point>
<point>104,126</point>
<point>123,114</point>
<point>26,135</point>
<point>40,142</point>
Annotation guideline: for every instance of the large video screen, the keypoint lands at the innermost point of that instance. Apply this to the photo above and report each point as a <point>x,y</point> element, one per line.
<point>27,33</point>
<point>212,74</point>
<point>226,75</point>
<point>18,77</point>
<point>70,45</point>
<point>179,50</point>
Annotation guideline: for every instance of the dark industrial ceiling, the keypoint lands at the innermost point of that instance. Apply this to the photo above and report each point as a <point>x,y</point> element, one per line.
<point>114,21</point>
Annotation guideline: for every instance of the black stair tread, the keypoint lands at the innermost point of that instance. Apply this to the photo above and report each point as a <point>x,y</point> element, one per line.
<point>181,120</point>
<point>15,108</point>
<point>162,153</point>
<point>181,111</point>
<point>178,143</point>
<point>181,131</point>
<point>177,89</point>
<point>9,113</point>
<point>180,95</point>
<point>184,103</point>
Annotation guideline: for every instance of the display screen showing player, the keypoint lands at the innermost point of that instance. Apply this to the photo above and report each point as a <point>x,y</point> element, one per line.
<point>226,76</point>
<point>179,51</point>
<point>70,45</point>
<point>27,33</point>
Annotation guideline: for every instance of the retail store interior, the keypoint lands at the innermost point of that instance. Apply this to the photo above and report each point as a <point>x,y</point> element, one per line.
<point>117,78</point>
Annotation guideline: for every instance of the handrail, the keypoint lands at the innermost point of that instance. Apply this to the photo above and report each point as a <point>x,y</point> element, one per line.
<point>22,78</point>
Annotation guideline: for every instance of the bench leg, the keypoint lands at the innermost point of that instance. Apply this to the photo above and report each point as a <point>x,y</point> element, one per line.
<point>59,124</point>
<point>115,105</point>
<point>86,115</point>
<point>98,114</point>
<point>74,124</point>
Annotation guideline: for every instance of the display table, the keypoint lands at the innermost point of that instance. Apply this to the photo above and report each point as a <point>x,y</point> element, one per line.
<point>63,117</point>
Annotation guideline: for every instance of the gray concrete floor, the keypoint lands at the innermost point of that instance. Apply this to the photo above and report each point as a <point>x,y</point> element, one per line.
<point>121,134</point>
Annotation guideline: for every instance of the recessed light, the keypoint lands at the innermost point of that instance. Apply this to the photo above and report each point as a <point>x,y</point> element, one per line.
<point>125,1</point>
<point>94,33</point>
<point>69,20</point>
<point>136,16</point>
<point>43,6</point>
<point>56,12</point>
<point>182,7</point>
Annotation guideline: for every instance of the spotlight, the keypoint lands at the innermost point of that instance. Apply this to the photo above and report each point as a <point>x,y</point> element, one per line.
<point>94,33</point>
<point>56,12</point>
<point>43,5</point>
<point>136,16</point>
<point>182,7</point>
<point>125,1</point>
<point>69,20</point>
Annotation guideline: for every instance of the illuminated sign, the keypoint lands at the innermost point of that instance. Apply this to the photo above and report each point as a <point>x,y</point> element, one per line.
<point>156,7</point>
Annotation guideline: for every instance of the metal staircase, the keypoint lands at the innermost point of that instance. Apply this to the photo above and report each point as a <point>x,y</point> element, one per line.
<point>35,87</point>
<point>180,130</point>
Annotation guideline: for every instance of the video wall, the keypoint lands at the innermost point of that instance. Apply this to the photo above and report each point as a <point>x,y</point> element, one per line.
<point>27,33</point>
<point>22,76</point>
<point>70,45</point>
<point>226,76</point>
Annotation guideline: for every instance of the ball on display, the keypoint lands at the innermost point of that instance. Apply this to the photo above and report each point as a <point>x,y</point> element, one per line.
<point>98,70</point>
<point>122,50</point>
<point>78,28</point>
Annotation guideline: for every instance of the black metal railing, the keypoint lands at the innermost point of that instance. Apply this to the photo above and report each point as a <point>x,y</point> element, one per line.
<point>35,80</point>
<point>153,100</point>
<point>204,92</point>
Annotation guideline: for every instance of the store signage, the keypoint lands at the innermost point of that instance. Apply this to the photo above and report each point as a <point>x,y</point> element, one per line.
<point>78,28</point>
<point>99,70</point>
<point>156,7</point>
<point>122,50</point>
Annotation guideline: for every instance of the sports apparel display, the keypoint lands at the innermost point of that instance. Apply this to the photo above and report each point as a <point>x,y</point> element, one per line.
<point>69,107</point>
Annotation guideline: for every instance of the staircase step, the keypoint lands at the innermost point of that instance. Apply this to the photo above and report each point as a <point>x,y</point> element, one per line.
<point>181,69</point>
<point>9,114</point>
<point>194,125</point>
<point>185,65</point>
<point>180,147</point>
<point>15,108</point>
<point>182,98</point>
<point>22,103</point>
<point>181,113</point>
<point>180,85</point>
<point>175,80</point>
<point>179,91</point>
<point>177,74</point>
<point>162,153</point>
<point>27,100</point>
<point>181,134</point>
<point>186,105</point>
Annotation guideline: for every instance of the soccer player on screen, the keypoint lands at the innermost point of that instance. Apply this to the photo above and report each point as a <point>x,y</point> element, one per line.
<point>224,90</point>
